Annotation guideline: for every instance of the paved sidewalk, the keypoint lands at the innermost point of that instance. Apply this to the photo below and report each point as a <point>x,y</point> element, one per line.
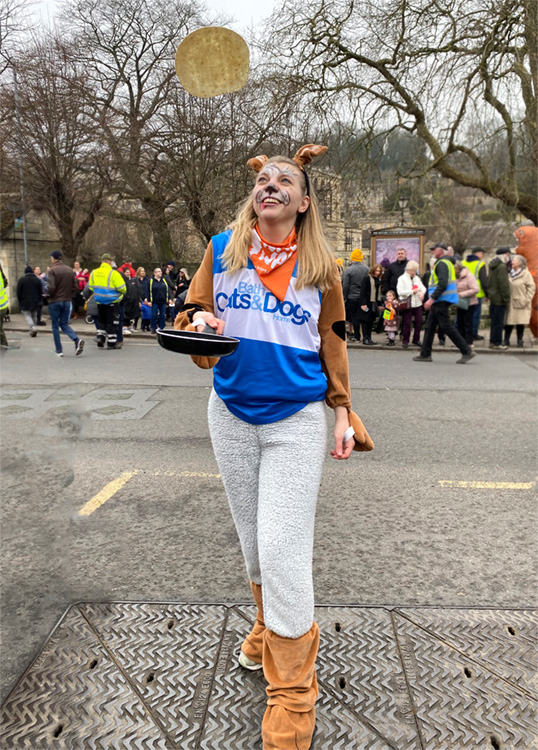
<point>18,327</point>
<point>147,675</point>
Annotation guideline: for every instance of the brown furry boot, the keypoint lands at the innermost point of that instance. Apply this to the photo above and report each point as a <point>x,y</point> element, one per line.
<point>251,650</point>
<point>289,668</point>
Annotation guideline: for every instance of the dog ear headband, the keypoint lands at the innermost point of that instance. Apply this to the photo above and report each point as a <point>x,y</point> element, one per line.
<point>303,157</point>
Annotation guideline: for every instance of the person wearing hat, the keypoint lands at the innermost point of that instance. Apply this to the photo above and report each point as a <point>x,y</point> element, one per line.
<point>108,287</point>
<point>499,296</point>
<point>170,270</point>
<point>272,282</point>
<point>352,280</point>
<point>61,287</point>
<point>29,293</point>
<point>475,263</point>
<point>443,292</point>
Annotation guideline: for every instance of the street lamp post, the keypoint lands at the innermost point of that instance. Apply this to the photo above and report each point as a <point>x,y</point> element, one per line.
<point>403,203</point>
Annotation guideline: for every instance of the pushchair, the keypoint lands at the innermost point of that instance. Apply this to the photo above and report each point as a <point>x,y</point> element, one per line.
<point>90,310</point>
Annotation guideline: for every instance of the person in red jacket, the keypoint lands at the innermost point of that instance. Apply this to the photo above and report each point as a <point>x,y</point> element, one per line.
<point>127,268</point>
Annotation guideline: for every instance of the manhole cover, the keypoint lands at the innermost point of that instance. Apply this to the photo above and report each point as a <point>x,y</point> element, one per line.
<point>166,675</point>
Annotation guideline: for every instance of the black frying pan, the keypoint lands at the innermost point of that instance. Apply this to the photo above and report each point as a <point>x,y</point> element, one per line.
<point>206,343</point>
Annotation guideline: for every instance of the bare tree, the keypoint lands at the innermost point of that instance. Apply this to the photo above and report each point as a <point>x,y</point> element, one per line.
<point>128,49</point>
<point>460,74</point>
<point>14,22</point>
<point>175,157</point>
<point>207,142</point>
<point>65,160</point>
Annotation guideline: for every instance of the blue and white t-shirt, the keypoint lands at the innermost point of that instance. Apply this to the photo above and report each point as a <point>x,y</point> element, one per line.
<point>276,370</point>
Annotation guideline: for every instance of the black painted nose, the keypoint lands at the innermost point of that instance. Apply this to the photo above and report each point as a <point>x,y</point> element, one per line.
<point>271,189</point>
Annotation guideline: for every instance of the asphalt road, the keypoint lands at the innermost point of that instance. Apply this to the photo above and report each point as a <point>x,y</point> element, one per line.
<point>389,529</point>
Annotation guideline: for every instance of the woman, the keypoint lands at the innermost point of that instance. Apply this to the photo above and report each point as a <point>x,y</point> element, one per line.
<point>467,287</point>
<point>272,282</point>
<point>170,279</point>
<point>411,288</point>
<point>81,277</point>
<point>369,301</point>
<point>522,290</point>
<point>183,281</point>
<point>140,284</point>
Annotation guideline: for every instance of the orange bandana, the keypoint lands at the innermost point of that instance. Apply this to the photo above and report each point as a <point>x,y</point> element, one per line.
<point>274,263</point>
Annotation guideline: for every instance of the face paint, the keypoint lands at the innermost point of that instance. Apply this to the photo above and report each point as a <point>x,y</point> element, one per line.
<point>269,192</point>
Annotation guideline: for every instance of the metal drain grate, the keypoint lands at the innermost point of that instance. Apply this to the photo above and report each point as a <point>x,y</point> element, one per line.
<point>122,676</point>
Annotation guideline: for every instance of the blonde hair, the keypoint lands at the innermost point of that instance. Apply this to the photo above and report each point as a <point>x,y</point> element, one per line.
<point>317,265</point>
<point>411,265</point>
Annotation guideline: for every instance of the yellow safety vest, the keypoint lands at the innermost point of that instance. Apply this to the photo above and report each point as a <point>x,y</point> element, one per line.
<point>474,267</point>
<point>4,301</point>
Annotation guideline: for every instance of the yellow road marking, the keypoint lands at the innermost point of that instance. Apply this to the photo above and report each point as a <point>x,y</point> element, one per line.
<point>112,487</point>
<point>488,485</point>
<point>106,493</point>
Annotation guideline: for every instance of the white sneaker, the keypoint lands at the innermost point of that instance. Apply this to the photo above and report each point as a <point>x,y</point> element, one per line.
<point>127,332</point>
<point>247,663</point>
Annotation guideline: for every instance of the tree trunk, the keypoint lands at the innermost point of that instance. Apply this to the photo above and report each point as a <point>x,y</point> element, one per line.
<point>160,230</point>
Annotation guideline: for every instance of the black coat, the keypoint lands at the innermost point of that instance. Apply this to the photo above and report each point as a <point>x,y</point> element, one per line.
<point>29,292</point>
<point>364,299</point>
<point>142,287</point>
<point>392,274</point>
<point>131,300</point>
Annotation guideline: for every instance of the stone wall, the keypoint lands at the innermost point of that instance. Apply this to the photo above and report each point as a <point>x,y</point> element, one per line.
<point>42,240</point>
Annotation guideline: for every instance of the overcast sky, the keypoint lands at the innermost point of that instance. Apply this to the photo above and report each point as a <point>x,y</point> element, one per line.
<point>246,12</point>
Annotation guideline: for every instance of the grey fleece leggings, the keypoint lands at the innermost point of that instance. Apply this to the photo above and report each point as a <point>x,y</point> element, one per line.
<point>271,475</point>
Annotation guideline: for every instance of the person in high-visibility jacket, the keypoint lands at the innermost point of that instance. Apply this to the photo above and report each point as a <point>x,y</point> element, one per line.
<point>4,307</point>
<point>475,263</point>
<point>108,287</point>
<point>442,290</point>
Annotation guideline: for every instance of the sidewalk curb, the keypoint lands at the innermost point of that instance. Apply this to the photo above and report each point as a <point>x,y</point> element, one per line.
<point>84,330</point>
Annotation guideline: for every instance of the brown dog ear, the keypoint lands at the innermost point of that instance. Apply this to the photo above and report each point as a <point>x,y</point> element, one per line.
<point>257,163</point>
<point>306,153</point>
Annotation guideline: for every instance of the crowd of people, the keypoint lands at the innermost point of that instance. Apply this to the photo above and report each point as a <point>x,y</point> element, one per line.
<point>394,297</point>
<point>386,296</point>
<point>115,299</point>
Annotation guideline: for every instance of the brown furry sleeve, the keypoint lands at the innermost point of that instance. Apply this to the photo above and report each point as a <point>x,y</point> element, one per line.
<point>333,351</point>
<point>333,355</point>
<point>200,295</point>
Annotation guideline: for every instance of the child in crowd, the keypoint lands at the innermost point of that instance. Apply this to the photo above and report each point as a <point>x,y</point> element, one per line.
<point>145,311</point>
<point>390,316</point>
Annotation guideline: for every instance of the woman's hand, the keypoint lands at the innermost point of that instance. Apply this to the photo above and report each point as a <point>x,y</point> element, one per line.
<point>341,451</point>
<point>364,307</point>
<point>210,320</point>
